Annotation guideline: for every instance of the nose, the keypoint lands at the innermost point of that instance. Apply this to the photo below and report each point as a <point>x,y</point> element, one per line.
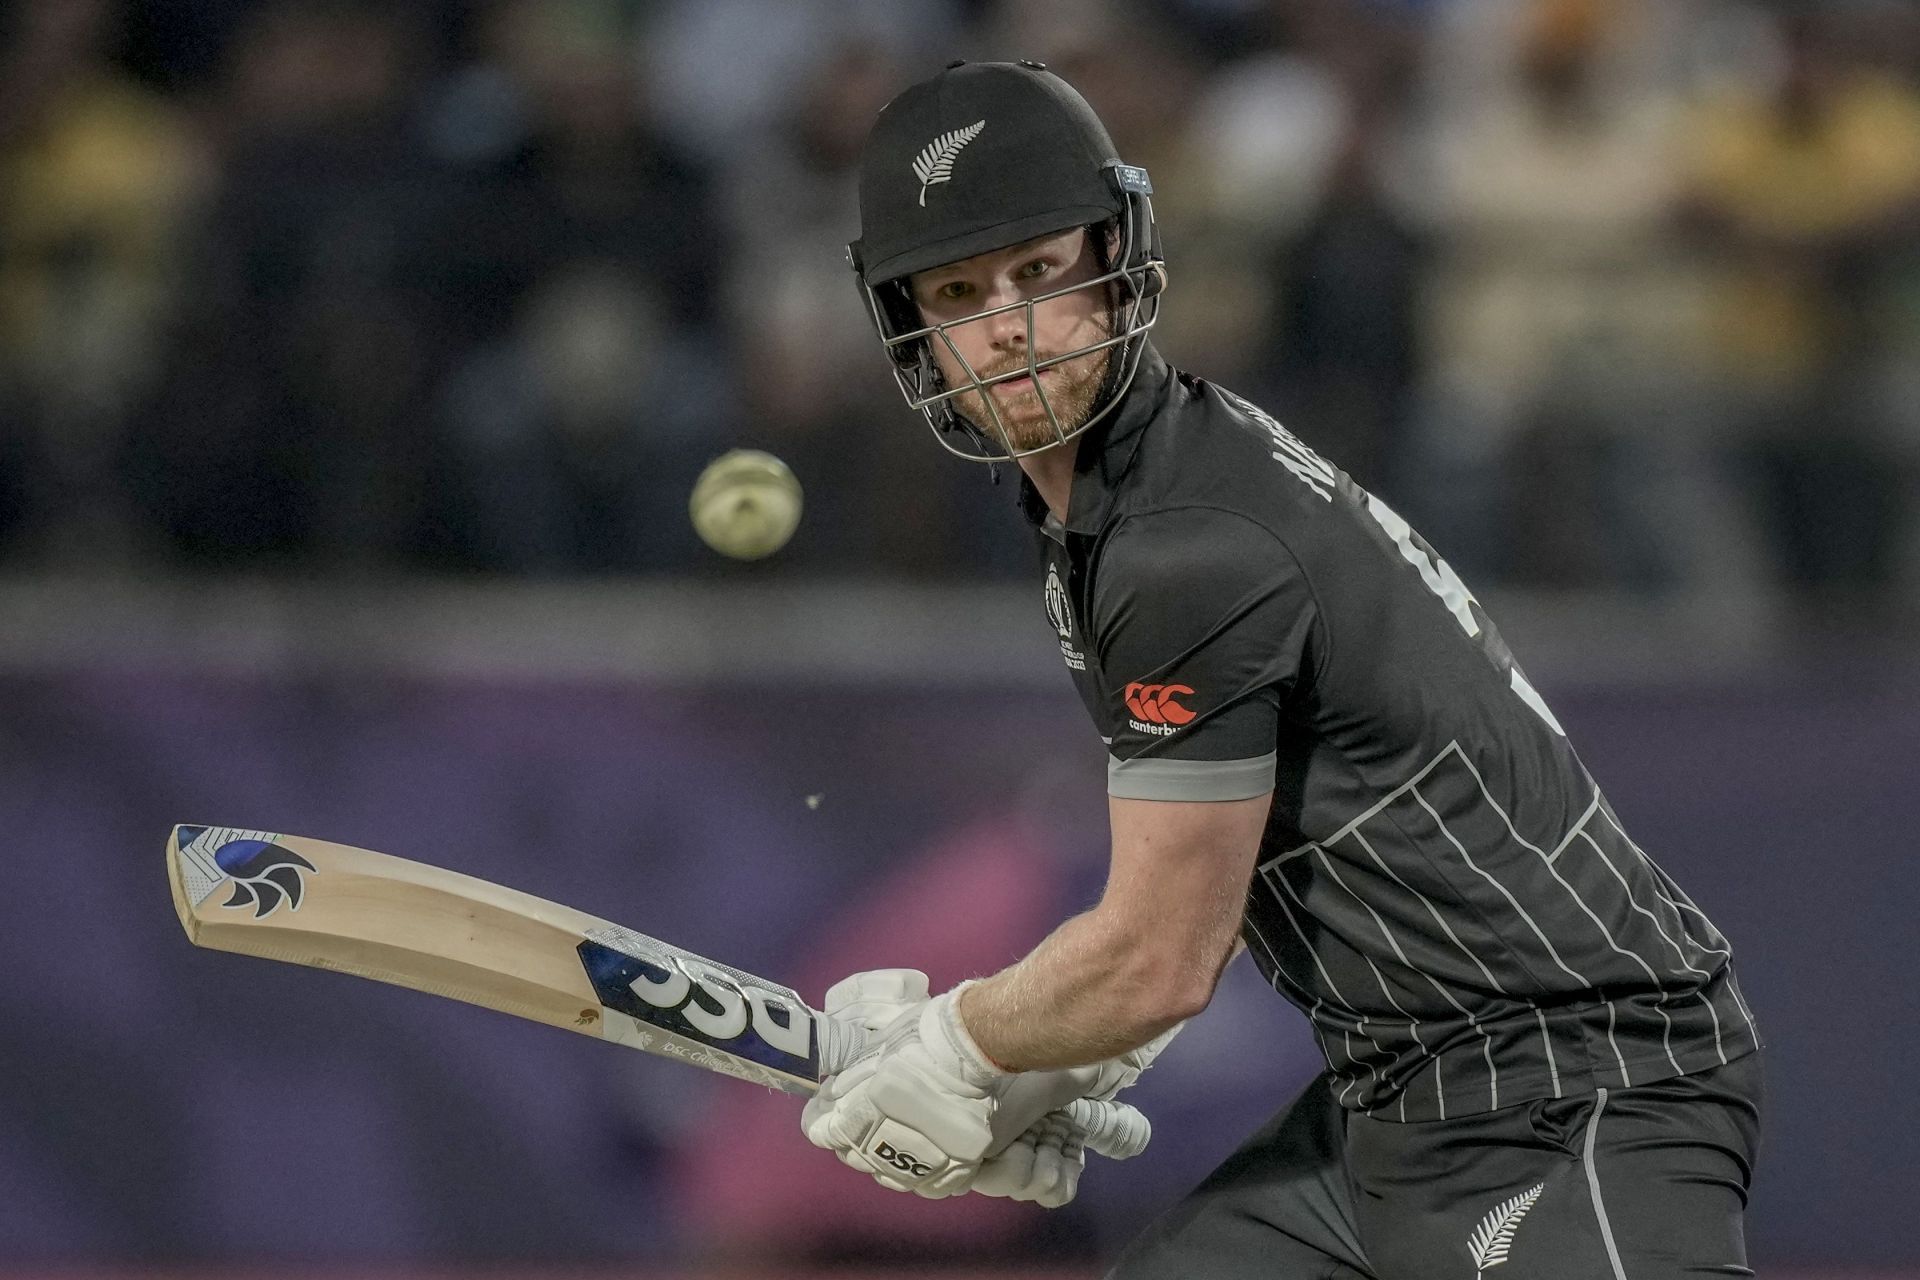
<point>1007,331</point>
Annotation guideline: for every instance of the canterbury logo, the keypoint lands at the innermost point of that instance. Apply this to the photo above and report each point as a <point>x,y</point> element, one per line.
<point>934,165</point>
<point>1154,703</point>
<point>1489,1244</point>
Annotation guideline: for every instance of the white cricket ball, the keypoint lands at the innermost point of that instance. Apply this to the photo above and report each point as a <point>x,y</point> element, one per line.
<point>746,504</point>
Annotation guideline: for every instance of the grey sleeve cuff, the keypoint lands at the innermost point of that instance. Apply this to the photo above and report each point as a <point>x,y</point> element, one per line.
<point>1152,778</point>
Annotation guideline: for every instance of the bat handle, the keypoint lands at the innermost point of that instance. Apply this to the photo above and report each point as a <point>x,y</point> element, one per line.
<point>841,1044</point>
<point>1115,1130</point>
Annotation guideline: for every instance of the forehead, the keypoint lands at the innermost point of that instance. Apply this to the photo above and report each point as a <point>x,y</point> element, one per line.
<point>1066,242</point>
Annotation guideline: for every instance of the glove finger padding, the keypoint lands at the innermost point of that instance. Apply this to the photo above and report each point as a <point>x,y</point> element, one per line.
<point>1010,1172</point>
<point>1059,1158</point>
<point>1042,1166</point>
<point>840,1106</point>
<point>817,1117</point>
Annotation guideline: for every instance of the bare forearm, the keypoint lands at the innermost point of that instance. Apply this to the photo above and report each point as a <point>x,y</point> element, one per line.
<point>1089,992</point>
<point>1149,956</point>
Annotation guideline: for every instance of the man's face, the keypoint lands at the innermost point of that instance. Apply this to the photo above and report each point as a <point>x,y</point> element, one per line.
<point>997,344</point>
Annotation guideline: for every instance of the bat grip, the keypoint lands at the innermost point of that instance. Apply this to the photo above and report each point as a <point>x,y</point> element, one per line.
<point>841,1044</point>
<point>1116,1131</point>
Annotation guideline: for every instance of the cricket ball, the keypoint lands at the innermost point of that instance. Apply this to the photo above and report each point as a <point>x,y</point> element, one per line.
<point>746,504</point>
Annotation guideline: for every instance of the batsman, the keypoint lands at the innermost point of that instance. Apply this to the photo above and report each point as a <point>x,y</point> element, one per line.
<point>1319,750</point>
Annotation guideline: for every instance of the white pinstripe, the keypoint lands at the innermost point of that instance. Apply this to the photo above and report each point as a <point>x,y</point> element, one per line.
<point>1666,1033</point>
<point>1713,1013</point>
<point>1593,1184</point>
<point>1411,786</point>
<point>1413,1024</point>
<point>1486,1045</point>
<point>1676,897</point>
<point>1681,904</point>
<point>1733,985</point>
<point>1524,842</point>
<point>1678,951</point>
<point>1273,958</point>
<point>1345,1006</point>
<point>1668,894</point>
<point>1452,748</point>
<point>1504,891</point>
<point>1592,808</point>
<point>1679,901</point>
<point>1432,911</point>
<point>1546,1041</point>
<point>1625,1078</point>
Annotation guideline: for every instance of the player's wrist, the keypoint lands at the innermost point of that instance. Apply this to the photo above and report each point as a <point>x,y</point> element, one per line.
<point>943,1029</point>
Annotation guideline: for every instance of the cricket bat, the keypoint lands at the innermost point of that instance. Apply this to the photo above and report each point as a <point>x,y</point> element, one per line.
<point>372,915</point>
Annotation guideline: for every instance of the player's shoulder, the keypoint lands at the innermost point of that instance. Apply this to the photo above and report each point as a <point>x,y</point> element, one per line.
<point>1206,511</point>
<point>1213,449</point>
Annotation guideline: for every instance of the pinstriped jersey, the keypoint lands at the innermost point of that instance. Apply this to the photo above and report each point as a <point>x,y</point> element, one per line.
<point>1442,887</point>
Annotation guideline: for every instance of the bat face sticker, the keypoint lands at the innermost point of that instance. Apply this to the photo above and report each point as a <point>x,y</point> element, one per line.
<point>264,875</point>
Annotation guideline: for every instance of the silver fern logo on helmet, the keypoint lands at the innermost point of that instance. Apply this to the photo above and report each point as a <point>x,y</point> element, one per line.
<point>934,164</point>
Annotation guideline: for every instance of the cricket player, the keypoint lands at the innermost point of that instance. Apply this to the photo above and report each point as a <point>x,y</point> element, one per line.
<point>1319,749</point>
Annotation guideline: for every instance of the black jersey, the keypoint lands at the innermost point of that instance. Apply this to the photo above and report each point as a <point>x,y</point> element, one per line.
<point>1441,885</point>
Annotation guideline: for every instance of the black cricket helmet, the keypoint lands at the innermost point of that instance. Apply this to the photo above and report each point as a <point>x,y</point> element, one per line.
<point>982,156</point>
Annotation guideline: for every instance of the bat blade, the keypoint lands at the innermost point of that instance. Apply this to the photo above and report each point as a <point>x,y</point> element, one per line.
<point>371,915</point>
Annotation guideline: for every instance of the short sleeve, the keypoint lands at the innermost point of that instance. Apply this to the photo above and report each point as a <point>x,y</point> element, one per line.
<point>1204,625</point>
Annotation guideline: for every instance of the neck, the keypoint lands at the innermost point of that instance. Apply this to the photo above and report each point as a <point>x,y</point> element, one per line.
<point>1051,471</point>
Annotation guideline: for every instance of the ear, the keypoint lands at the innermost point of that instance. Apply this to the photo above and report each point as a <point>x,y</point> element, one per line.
<point>1104,242</point>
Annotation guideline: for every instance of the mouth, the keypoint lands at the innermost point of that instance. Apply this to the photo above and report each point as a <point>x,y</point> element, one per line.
<point>1014,386</point>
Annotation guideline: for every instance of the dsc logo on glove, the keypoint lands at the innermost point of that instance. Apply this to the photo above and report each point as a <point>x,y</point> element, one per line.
<point>904,1161</point>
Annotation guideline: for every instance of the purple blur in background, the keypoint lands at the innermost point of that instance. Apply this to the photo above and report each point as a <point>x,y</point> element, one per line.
<point>162,1104</point>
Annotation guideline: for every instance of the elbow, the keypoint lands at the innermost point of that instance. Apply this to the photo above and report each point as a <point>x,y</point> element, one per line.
<point>1188,1000</point>
<point>1167,990</point>
<point>1160,978</point>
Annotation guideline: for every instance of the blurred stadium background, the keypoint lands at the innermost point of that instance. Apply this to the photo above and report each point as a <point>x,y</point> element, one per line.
<point>356,359</point>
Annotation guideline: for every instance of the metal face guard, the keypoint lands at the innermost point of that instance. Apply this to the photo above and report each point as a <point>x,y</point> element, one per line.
<point>1140,273</point>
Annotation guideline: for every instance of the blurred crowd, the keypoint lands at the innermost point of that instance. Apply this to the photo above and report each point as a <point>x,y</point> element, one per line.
<point>1617,294</point>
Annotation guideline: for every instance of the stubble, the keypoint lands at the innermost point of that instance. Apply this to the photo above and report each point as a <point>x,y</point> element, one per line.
<point>1022,424</point>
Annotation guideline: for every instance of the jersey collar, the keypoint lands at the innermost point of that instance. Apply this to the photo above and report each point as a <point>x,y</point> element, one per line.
<point>1106,454</point>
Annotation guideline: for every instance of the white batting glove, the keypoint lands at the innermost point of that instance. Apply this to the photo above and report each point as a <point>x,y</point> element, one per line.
<point>1115,1074</point>
<point>1037,1150</point>
<point>1043,1165</point>
<point>873,999</point>
<point>919,1118</point>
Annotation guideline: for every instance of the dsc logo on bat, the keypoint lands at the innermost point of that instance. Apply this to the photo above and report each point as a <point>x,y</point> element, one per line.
<point>666,987</point>
<point>739,1005</point>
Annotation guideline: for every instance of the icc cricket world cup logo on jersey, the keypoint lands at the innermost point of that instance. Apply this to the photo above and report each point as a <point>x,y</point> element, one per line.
<point>1060,614</point>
